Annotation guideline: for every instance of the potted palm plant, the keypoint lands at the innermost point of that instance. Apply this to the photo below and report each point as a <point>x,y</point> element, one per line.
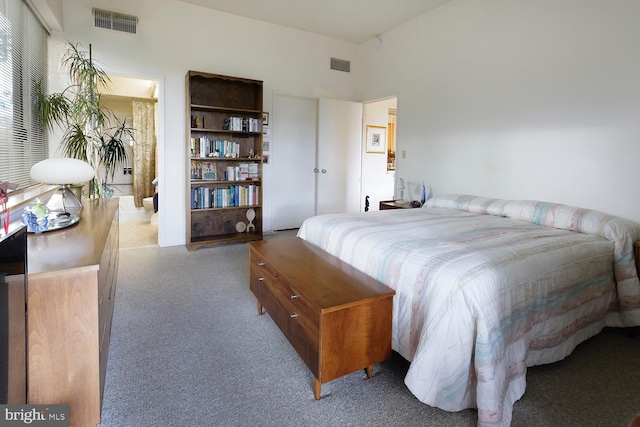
<point>91,131</point>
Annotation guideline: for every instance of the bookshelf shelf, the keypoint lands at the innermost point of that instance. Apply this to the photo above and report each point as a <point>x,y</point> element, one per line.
<point>225,239</point>
<point>224,159</point>
<point>228,208</point>
<point>221,181</point>
<point>197,107</point>
<point>224,131</point>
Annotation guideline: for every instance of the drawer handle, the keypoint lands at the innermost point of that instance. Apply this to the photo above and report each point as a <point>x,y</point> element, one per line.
<point>261,264</point>
<point>260,279</point>
<point>294,315</point>
<point>294,296</point>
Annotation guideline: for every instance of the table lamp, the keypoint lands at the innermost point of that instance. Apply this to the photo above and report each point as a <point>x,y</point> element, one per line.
<point>63,171</point>
<point>401,190</point>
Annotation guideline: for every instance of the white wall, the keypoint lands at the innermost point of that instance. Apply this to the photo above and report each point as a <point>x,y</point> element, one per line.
<point>174,37</point>
<point>517,99</point>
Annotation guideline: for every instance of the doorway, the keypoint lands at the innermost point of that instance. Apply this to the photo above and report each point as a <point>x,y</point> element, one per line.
<point>134,101</point>
<point>378,168</point>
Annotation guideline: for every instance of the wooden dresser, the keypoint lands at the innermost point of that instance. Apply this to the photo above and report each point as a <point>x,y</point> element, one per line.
<point>72,276</point>
<point>337,318</point>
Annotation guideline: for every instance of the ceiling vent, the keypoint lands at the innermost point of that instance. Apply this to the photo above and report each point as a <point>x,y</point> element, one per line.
<point>341,65</point>
<point>115,21</point>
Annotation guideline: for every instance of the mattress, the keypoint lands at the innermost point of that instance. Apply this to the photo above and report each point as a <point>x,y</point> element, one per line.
<point>486,288</point>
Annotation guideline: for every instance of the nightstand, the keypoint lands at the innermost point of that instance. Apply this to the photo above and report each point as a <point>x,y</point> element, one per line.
<point>391,204</point>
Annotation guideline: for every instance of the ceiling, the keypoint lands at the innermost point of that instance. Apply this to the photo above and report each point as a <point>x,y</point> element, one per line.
<point>355,21</point>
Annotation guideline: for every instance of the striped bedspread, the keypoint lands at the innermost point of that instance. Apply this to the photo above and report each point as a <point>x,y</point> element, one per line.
<point>486,287</point>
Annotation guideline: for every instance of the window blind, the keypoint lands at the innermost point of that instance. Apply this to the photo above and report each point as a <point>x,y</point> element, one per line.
<point>23,44</point>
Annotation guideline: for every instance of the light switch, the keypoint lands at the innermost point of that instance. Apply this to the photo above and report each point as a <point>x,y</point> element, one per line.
<point>404,154</point>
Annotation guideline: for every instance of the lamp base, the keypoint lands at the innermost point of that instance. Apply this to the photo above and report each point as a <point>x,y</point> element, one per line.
<point>64,200</point>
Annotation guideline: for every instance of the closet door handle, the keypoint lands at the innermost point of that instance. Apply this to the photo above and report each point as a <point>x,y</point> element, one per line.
<point>316,170</point>
<point>323,171</point>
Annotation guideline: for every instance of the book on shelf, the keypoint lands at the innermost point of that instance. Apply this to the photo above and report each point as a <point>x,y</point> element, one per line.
<point>194,198</point>
<point>242,124</point>
<point>227,148</point>
<point>253,171</point>
<point>205,195</point>
<point>224,197</point>
<point>241,172</point>
<point>230,173</point>
<point>203,147</point>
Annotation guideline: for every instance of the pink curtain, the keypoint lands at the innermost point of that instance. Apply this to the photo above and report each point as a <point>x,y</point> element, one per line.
<point>144,149</point>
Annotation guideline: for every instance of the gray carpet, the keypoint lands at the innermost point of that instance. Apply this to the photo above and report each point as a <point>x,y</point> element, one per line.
<point>188,349</point>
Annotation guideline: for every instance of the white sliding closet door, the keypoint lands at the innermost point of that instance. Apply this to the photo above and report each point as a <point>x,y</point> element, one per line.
<point>316,158</point>
<point>293,159</point>
<point>339,156</point>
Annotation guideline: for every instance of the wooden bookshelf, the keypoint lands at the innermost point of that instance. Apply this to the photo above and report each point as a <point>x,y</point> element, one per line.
<point>224,159</point>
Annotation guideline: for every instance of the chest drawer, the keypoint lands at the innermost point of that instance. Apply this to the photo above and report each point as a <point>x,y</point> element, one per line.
<point>259,265</point>
<point>262,279</point>
<point>298,310</point>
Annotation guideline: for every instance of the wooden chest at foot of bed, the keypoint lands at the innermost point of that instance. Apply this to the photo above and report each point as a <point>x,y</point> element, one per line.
<point>337,318</point>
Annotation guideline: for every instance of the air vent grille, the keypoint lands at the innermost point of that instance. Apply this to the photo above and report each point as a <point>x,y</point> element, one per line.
<point>115,21</point>
<point>341,65</point>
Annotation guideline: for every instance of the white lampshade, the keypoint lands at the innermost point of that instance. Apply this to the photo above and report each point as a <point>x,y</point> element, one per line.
<point>62,170</point>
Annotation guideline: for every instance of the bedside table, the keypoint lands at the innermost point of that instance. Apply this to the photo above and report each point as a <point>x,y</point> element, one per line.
<point>391,204</point>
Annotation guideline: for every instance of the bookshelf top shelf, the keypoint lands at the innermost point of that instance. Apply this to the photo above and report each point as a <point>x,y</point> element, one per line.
<point>228,159</point>
<point>225,131</point>
<point>228,208</point>
<point>224,109</point>
<point>195,182</point>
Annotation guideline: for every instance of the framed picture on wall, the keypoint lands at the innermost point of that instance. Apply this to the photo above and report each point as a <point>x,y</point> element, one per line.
<point>376,139</point>
<point>265,119</point>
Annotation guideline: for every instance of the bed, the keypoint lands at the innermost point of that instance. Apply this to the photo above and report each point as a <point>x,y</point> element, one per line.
<point>487,287</point>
